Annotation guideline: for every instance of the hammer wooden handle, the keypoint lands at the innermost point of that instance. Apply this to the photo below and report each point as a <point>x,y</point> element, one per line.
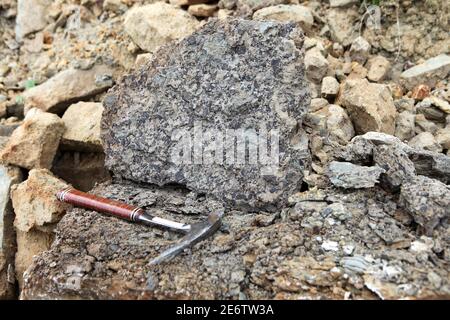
<point>96,203</point>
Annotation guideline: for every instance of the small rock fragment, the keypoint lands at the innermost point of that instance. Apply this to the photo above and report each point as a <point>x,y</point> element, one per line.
<point>370,106</point>
<point>34,143</point>
<point>425,141</point>
<point>404,125</point>
<point>34,201</point>
<point>330,245</point>
<point>31,17</point>
<point>347,175</point>
<point>427,200</point>
<point>340,22</point>
<point>342,3</point>
<point>316,65</point>
<point>57,93</point>
<point>330,87</point>
<point>202,10</point>
<point>284,13</point>
<point>420,92</point>
<point>82,121</point>
<point>153,25</point>
<point>379,68</point>
<point>396,163</point>
<point>360,50</point>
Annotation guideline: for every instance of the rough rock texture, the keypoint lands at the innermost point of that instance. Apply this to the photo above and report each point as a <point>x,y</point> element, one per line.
<point>81,169</point>
<point>427,200</point>
<point>404,125</point>
<point>347,175</point>
<point>369,105</point>
<point>396,163</point>
<point>34,201</point>
<point>316,65</point>
<point>330,87</point>
<point>327,245</point>
<point>341,24</point>
<point>285,13</point>
<point>8,177</point>
<point>31,17</point>
<point>232,74</point>
<point>378,68</point>
<point>29,245</point>
<point>425,141</point>
<point>82,121</point>
<point>34,143</point>
<point>429,72</point>
<point>61,90</point>
<point>156,24</point>
<point>360,50</point>
<point>427,163</point>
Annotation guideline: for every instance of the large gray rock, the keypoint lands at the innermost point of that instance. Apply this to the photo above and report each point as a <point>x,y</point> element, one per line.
<point>228,77</point>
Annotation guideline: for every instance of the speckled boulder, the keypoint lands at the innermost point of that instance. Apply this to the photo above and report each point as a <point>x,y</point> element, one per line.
<point>228,76</point>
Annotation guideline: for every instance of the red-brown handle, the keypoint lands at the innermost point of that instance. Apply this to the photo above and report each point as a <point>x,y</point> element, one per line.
<point>90,201</point>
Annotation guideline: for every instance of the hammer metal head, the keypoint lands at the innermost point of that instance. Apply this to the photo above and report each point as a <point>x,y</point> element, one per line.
<point>197,232</point>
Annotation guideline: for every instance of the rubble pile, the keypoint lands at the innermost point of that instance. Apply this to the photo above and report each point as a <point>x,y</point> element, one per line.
<point>106,95</point>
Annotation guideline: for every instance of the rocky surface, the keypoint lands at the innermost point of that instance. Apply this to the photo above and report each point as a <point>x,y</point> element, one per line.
<point>82,121</point>
<point>34,143</point>
<point>328,244</point>
<point>148,129</point>
<point>379,67</point>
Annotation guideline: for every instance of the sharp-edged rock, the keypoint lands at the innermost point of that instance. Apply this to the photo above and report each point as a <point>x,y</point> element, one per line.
<point>396,163</point>
<point>82,121</point>
<point>429,72</point>
<point>34,143</point>
<point>153,25</point>
<point>286,13</point>
<point>427,200</point>
<point>425,141</point>
<point>316,65</point>
<point>359,50</point>
<point>347,175</point>
<point>31,17</point>
<point>369,105</point>
<point>379,68</point>
<point>189,92</point>
<point>34,201</point>
<point>65,88</point>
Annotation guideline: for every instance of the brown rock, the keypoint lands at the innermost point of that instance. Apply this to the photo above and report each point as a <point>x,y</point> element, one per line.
<point>378,68</point>
<point>34,201</point>
<point>82,121</point>
<point>420,92</point>
<point>153,25</point>
<point>34,143</point>
<point>66,87</point>
<point>202,10</point>
<point>425,141</point>
<point>369,105</point>
<point>29,245</point>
